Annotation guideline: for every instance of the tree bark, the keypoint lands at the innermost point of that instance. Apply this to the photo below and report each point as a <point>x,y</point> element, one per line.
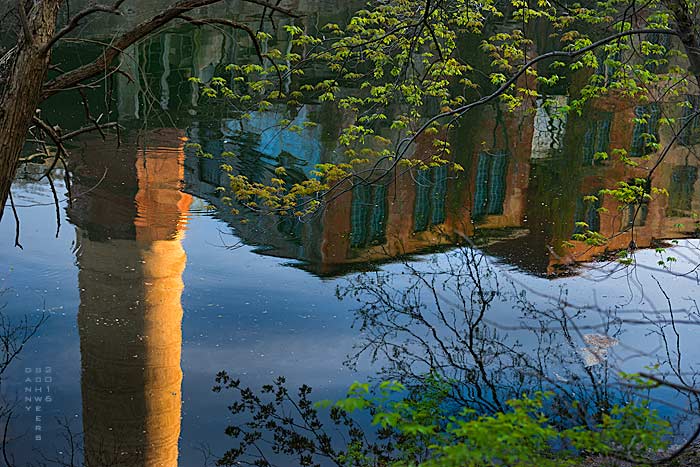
<point>22,93</point>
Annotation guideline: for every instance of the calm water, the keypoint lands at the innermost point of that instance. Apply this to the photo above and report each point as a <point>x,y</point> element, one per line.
<point>152,286</point>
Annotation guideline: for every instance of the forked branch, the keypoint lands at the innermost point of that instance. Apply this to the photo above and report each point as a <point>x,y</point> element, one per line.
<point>75,21</point>
<point>74,77</point>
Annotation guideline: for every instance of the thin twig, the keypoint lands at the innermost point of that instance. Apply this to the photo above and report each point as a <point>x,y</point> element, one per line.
<point>75,21</point>
<point>14,212</point>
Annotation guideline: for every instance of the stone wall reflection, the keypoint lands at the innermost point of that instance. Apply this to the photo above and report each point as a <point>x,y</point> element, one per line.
<point>131,260</point>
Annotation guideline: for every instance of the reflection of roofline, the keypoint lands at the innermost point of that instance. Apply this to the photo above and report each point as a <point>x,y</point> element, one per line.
<point>319,269</point>
<point>336,270</point>
<point>517,242</point>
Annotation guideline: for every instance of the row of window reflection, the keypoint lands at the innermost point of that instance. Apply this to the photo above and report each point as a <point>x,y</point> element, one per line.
<point>369,202</point>
<point>645,131</point>
<point>369,206</point>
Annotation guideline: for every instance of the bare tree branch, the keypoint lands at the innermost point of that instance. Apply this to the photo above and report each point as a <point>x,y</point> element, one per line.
<point>87,129</point>
<point>75,21</point>
<point>17,228</point>
<point>275,7</point>
<point>74,77</point>
<point>56,138</point>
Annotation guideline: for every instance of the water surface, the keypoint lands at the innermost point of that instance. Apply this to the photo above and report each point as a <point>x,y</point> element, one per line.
<point>152,285</point>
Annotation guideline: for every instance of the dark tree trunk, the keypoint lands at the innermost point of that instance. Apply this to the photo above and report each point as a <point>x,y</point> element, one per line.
<point>21,94</point>
<point>26,86</point>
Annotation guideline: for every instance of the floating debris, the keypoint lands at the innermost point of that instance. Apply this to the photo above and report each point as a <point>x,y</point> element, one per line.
<point>596,351</point>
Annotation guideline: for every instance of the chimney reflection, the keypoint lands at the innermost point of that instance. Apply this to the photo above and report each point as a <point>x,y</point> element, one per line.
<point>131,260</point>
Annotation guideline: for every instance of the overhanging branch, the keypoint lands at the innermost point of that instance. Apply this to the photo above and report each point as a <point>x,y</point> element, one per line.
<point>142,30</point>
<point>232,24</point>
<point>459,111</point>
<point>75,21</point>
<point>243,27</point>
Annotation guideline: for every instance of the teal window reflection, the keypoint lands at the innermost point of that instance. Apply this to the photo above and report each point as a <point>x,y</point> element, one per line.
<point>690,122</point>
<point>636,215</point>
<point>490,187</point>
<point>657,61</point>
<point>587,211</point>
<point>682,190</point>
<point>368,213</point>
<point>608,64</point>
<point>646,129</point>
<point>431,192</point>
<point>596,139</point>
<point>209,170</point>
<point>422,206</point>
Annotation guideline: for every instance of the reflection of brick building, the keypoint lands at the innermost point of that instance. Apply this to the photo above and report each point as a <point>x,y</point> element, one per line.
<point>663,218</point>
<point>520,196</point>
<point>130,277</point>
<point>406,212</point>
